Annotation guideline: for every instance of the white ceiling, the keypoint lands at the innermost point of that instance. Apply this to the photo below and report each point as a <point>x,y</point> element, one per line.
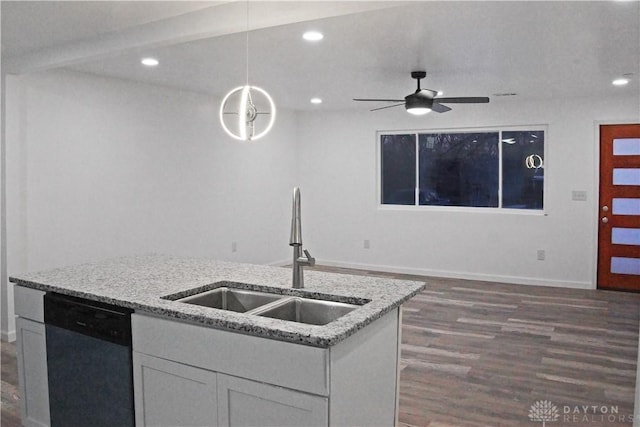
<point>33,25</point>
<point>536,49</point>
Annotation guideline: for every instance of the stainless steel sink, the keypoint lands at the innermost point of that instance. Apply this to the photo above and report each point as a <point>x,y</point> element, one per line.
<point>303,310</point>
<point>276,306</point>
<point>239,300</point>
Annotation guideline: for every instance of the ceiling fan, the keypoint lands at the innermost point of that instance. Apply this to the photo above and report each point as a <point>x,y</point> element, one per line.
<point>423,101</point>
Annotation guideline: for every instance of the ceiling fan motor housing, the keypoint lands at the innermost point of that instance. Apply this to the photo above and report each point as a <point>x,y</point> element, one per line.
<point>421,99</point>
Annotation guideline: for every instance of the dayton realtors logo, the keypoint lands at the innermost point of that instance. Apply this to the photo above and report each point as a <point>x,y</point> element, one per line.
<point>594,414</point>
<point>544,411</point>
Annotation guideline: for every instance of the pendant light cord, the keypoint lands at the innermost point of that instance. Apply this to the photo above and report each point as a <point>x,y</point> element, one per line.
<point>247,41</point>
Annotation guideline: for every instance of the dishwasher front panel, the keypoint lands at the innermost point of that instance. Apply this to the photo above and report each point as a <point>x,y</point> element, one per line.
<point>90,381</point>
<point>89,363</point>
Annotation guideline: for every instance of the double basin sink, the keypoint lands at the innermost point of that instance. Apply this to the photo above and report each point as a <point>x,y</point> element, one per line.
<point>276,306</point>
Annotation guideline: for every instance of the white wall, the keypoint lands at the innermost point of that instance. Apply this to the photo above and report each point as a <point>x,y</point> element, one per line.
<point>338,173</point>
<point>115,168</point>
<point>101,167</point>
<point>7,323</point>
<point>12,204</point>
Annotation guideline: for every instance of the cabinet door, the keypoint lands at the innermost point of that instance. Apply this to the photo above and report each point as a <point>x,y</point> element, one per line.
<point>32,371</point>
<point>244,403</point>
<point>169,394</point>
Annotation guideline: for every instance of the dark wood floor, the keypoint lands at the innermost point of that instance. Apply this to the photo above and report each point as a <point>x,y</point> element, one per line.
<point>482,354</point>
<point>9,383</point>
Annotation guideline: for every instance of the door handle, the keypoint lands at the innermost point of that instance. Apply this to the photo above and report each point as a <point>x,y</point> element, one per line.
<point>605,209</point>
<point>605,220</point>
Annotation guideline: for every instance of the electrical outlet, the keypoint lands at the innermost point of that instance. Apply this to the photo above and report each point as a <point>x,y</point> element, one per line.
<point>541,254</point>
<point>367,244</point>
<point>234,246</point>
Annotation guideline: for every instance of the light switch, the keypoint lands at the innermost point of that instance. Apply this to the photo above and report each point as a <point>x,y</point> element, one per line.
<point>579,196</point>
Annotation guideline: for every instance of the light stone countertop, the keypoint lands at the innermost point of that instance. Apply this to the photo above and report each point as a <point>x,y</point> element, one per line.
<point>141,282</point>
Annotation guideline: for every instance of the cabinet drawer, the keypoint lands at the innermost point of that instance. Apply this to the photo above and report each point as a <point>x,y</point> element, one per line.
<point>29,303</point>
<point>294,366</point>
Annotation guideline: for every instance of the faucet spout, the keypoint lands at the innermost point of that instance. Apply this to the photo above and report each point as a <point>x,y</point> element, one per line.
<point>295,240</point>
<point>296,222</point>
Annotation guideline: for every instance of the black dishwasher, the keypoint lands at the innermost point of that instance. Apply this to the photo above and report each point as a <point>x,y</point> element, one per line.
<point>88,362</point>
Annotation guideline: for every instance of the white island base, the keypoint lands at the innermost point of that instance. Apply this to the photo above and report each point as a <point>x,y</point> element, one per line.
<point>198,366</point>
<point>192,375</point>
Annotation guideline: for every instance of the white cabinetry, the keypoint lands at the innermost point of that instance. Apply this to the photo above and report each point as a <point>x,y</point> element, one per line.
<point>254,381</point>
<point>173,394</point>
<point>31,355</point>
<point>192,375</point>
<point>249,403</point>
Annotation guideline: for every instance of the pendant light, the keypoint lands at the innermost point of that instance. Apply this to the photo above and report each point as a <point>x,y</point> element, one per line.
<point>248,103</point>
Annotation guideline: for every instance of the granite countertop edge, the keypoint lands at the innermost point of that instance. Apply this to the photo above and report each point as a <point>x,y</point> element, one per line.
<point>88,281</point>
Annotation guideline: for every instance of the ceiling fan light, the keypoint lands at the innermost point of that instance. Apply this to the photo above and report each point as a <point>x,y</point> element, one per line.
<point>418,103</point>
<point>418,111</point>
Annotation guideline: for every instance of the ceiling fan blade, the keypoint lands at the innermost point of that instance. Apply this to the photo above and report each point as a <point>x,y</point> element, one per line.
<point>388,106</point>
<point>463,100</point>
<point>379,100</point>
<point>439,108</point>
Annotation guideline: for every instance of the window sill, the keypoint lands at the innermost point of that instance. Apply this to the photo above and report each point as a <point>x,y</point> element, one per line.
<point>462,209</point>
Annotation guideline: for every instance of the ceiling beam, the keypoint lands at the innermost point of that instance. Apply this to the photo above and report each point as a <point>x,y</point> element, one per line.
<point>215,21</point>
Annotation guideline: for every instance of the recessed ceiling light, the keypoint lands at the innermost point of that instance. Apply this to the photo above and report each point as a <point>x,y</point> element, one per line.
<point>440,93</point>
<point>620,82</point>
<point>149,62</point>
<point>313,36</point>
<point>316,101</point>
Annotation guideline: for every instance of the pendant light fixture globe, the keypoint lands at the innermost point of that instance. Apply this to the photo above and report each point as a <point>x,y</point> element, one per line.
<point>247,111</point>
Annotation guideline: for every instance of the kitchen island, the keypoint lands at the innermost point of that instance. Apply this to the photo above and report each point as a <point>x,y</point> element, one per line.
<point>196,365</point>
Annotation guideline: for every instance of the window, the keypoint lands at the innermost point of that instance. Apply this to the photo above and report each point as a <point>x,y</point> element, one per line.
<point>481,169</point>
<point>522,169</point>
<point>398,169</point>
<point>459,169</point>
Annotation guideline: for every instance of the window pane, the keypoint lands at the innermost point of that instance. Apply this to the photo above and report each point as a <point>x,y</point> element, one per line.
<point>398,169</point>
<point>459,169</point>
<point>625,207</point>
<point>622,265</point>
<point>626,147</point>
<point>522,169</point>
<point>626,176</point>
<point>625,236</point>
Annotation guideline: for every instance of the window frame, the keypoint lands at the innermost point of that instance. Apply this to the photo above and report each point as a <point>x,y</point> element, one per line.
<point>474,209</point>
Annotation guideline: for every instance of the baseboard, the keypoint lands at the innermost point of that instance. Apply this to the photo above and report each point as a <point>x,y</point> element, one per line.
<point>517,280</point>
<point>9,336</point>
<point>280,263</point>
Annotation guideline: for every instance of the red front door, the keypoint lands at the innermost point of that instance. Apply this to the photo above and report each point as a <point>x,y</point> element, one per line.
<point>619,209</point>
